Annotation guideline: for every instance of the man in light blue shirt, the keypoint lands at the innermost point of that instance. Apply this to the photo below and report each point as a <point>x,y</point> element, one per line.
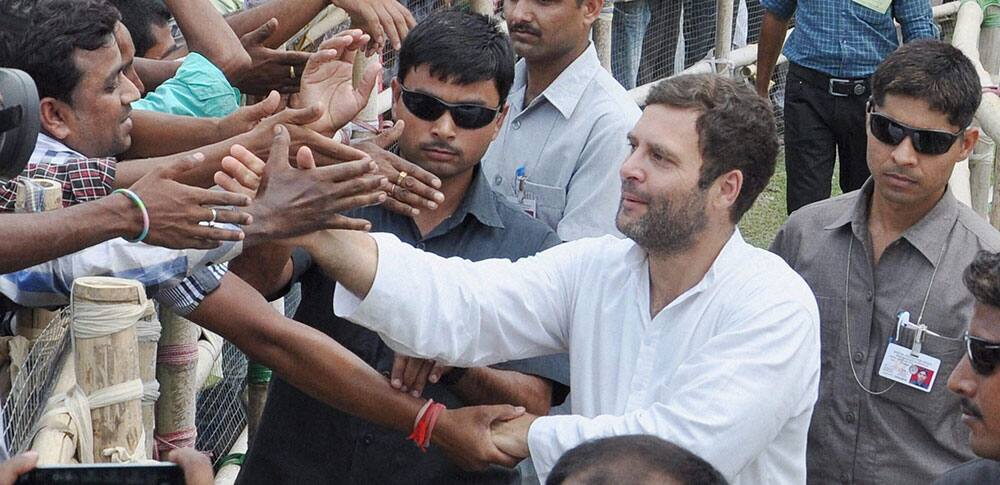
<point>558,153</point>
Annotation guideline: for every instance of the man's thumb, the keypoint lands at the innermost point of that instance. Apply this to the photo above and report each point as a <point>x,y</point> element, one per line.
<point>260,34</point>
<point>390,135</point>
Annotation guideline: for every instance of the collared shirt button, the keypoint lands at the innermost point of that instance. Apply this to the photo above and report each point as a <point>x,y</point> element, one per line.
<point>869,296</point>
<point>859,357</point>
<point>498,180</point>
<point>850,417</point>
<point>421,246</point>
<point>516,124</point>
<point>844,478</point>
<point>367,439</point>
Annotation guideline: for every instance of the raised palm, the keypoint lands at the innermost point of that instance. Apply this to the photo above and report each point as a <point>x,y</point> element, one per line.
<point>327,82</point>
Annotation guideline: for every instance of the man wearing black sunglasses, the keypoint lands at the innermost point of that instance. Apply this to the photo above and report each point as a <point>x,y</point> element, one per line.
<point>898,244</point>
<point>451,108</point>
<point>975,380</point>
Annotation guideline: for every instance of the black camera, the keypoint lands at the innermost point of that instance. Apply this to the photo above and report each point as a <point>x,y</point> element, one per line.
<point>19,122</point>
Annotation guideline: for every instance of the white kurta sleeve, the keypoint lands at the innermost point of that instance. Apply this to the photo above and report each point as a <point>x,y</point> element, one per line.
<point>465,313</point>
<point>725,404</point>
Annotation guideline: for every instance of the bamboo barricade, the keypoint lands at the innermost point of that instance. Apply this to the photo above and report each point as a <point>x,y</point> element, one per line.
<point>35,195</point>
<point>57,436</point>
<point>208,372</point>
<point>148,331</point>
<point>176,367</point>
<point>233,462</point>
<point>723,34</point>
<point>966,38</point>
<point>104,312</point>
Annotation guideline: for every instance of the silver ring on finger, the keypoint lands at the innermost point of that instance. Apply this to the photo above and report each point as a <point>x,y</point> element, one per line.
<point>215,215</point>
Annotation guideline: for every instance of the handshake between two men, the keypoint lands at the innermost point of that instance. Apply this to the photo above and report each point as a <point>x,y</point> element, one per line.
<point>307,181</point>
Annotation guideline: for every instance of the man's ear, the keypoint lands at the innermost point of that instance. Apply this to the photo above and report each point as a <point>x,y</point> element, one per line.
<point>54,115</point>
<point>591,10</point>
<point>498,123</point>
<point>728,187</point>
<point>968,142</point>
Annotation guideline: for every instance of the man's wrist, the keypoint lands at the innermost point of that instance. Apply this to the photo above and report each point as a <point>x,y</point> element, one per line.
<point>125,219</point>
<point>454,375</point>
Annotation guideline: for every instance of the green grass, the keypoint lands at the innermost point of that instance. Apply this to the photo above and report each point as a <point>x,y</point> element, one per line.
<point>762,221</point>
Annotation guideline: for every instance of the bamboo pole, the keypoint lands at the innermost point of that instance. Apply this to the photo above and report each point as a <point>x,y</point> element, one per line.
<point>966,38</point>
<point>227,473</point>
<point>723,34</point>
<point>38,195</point>
<point>175,370</point>
<point>149,336</point>
<point>56,440</point>
<point>109,359</point>
<point>209,370</point>
<point>602,34</point>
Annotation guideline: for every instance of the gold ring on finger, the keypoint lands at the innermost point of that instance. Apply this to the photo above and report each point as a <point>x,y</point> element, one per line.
<point>291,72</point>
<point>401,178</point>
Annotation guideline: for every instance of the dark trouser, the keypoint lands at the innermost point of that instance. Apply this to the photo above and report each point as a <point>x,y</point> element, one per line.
<point>818,127</point>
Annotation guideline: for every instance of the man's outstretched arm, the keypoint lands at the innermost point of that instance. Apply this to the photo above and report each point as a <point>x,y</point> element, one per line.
<point>451,310</point>
<point>322,368</point>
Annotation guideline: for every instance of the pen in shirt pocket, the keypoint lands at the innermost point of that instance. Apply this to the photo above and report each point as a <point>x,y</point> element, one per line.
<point>520,178</point>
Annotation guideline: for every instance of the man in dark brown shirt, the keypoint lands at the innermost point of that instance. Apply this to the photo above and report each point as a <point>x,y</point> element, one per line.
<point>899,244</point>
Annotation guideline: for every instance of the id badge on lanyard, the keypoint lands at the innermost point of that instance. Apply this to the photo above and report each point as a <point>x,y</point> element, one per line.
<point>909,366</point>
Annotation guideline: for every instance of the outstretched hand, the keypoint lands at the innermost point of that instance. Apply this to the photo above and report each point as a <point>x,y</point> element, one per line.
<point>270,69</point>
<point>176,210</point>
<point>380,19</point>
<point>328,82</point>
<point>417,190</point>
<point>291,201</point>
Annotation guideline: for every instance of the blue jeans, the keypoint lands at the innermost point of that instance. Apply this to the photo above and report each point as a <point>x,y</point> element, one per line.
<point>628,27</point>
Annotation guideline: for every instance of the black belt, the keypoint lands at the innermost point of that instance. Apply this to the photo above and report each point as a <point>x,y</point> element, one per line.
<point>839,87</point>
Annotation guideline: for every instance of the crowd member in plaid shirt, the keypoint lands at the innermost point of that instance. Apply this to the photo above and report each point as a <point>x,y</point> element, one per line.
<point>834,49</point>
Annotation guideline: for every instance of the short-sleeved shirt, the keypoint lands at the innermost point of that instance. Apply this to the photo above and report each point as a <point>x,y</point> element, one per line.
<point>843,38</point>
<point>981,471</point>
<point>571,140</point>
<point>904,435</point>
<point>301,440</point>
<point>198,89</point>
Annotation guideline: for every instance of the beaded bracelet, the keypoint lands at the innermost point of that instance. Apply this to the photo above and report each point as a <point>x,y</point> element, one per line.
<point>145,214</point>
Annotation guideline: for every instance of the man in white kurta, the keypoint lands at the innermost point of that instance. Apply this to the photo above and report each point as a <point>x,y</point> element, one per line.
<point>683,330</point>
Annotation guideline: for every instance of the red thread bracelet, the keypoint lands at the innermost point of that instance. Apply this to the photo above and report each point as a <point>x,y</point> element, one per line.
<point>424,424</point>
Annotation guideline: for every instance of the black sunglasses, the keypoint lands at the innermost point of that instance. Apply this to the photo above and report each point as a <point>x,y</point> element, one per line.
<point>983,354</point>
<point>430,108</point>
<point>892,132</point>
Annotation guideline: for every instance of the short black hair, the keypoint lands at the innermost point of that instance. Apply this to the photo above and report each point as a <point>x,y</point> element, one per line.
<point>632,459</point>
<point>736,130</point>
<point>982,278</point>
<point>460,47</point>
<point>934,71</point>
<point>139,17</point>
<point>58,29</point>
